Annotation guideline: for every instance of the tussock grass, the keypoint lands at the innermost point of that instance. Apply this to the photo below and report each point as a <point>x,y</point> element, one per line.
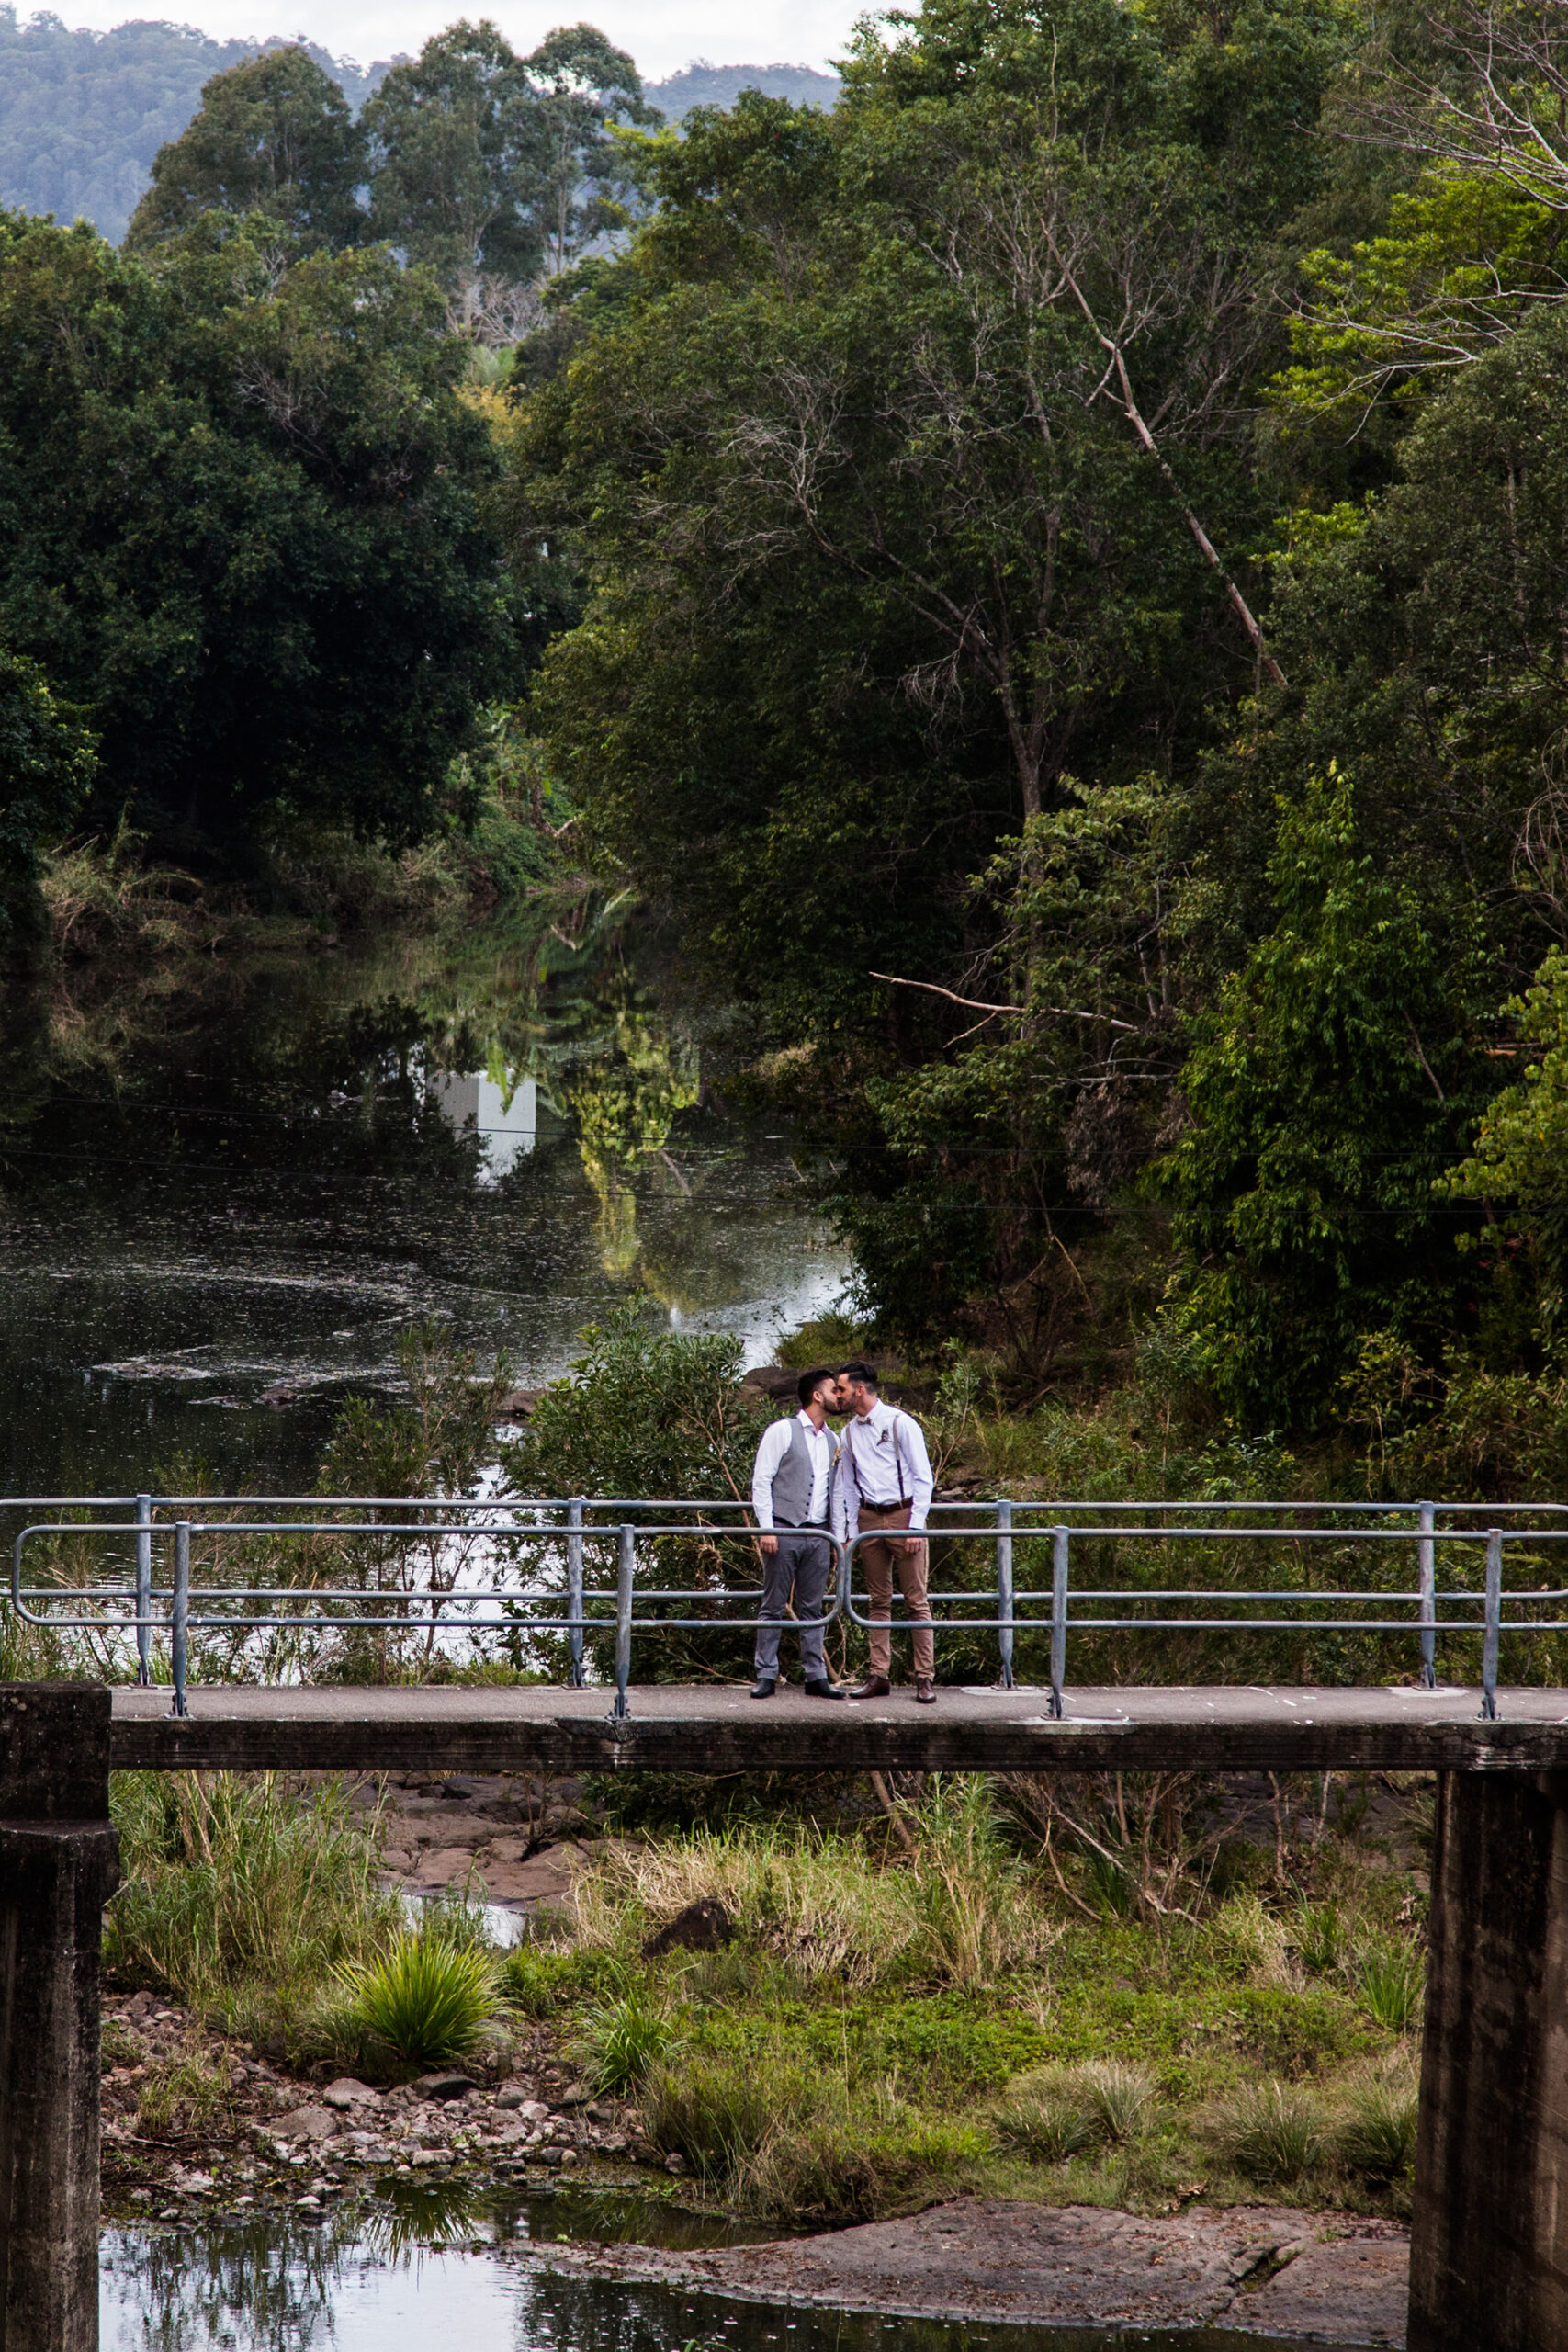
<point>426,1998</point>
<point>958,1910</point>
<point>1390,1980</point>
<point>187,2094</point>
<point>1272,2133</point>
<point>620,2042</point>
<point>242,1900</point>
<point>1377,2136</point>
<point>1059,2112</point>
<point>1044,2126</point>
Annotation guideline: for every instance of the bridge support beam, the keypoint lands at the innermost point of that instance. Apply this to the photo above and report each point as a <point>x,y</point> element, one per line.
<point>1489,2243</point>
<point>58,1866</point>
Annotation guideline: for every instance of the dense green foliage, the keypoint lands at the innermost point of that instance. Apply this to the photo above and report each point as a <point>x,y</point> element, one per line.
<point>273,135</point>
<point>241,528</point>
<point>925,465</point>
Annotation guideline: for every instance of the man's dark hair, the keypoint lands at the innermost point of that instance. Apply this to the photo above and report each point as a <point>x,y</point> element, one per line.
<point>813,1379</point>
<point>858,1369</point>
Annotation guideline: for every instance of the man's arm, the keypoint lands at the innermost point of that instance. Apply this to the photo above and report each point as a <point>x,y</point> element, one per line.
<point>922,1486</point>
<point>770,1451</point>
<point>849,1486</point>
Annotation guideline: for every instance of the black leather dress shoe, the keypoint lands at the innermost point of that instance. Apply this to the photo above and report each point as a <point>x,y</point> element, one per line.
<point>820,1688</point>
<point>764,1686</point>
<point>876,1686</point>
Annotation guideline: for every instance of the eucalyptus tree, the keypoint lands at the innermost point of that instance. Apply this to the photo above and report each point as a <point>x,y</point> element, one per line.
<point>583,87</point>
<point>458,160</point>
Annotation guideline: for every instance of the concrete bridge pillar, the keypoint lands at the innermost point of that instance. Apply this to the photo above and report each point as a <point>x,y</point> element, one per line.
<point>1489,2244</point>
<point>58,1867</point>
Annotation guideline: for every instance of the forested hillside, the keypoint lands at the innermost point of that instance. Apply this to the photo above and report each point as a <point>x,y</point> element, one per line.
<point>82,114</point>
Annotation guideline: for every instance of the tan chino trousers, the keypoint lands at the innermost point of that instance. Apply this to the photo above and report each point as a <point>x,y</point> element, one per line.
<point>880,1559</point>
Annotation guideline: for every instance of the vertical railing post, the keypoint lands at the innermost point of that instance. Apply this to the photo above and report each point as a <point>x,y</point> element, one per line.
<point>1059,1618</point>
<point>1493,1621</point>
<point>1004,1591</point>
<point>145,1590</point>
<point>180,1627</point>
<point>574,1588</point>
<point>626,1570</point>
<point>1426,1552</point>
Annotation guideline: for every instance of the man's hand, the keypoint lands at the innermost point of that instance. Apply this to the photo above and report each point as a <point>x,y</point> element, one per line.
<point>767,1545</point>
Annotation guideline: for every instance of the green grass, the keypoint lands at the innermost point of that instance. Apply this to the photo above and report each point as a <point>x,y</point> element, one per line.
<point>1392,1982</point>
<point>243,1900</point>
<point>426,1998</point>
<point>1272,2133</point>
<point>619,2044</point>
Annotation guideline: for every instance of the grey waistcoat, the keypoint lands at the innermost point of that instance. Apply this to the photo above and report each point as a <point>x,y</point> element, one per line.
<point>792,1479</point>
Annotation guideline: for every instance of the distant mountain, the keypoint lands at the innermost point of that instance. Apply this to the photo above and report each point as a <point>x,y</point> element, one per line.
<point>702,84</point>
<point>82,114</point>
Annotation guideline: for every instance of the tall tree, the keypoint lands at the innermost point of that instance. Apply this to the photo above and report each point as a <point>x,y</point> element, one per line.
<point>273,135</point>
<point>239,525</point>
<point>458,161</point>
<point>583,85</point>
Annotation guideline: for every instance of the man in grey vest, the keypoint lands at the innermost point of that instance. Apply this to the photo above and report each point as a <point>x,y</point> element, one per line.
<point>795,1494</point>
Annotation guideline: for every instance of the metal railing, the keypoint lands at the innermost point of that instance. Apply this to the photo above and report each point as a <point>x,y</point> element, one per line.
<point>526,1568</point>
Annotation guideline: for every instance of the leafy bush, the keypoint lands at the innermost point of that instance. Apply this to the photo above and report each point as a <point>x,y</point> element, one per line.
<point>426,1998</point>
<point>621,2043</point>
<point>1271,2133</point>
<point>1392,1982</point>
<point>537,1979</point>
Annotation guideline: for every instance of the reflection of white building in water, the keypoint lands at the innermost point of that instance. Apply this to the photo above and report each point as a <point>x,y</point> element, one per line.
<point>506,1128</point>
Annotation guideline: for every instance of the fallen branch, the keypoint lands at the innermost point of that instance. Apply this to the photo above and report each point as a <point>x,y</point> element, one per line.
<point>976,1005</point>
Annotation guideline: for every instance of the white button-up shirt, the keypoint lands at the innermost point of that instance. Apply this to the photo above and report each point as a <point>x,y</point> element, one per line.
<point>771,1452</point>
<point>883,1458</point>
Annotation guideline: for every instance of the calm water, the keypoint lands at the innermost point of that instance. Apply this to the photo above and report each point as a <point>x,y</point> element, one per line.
<point>431,2272</point>
<point>219,1212</point>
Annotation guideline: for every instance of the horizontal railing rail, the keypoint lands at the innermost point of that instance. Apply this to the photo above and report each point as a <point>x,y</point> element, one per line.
<point>570,1568</point>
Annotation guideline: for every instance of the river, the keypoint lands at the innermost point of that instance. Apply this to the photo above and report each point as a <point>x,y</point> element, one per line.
<point>427,2271</point>
<point>221,1206</point>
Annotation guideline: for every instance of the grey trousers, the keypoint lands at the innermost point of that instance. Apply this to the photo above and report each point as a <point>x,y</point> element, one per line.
<point>802,1563</point>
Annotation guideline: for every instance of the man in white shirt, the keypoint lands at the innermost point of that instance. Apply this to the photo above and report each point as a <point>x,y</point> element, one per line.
<point>884,1480</point>
<point>796,1498</point>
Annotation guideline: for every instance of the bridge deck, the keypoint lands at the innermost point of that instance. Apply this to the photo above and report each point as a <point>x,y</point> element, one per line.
<point>719,1728</point>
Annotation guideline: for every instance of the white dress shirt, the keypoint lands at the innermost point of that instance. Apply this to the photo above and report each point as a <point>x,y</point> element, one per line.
<point>883,1457</point>
<point>771,1452</point>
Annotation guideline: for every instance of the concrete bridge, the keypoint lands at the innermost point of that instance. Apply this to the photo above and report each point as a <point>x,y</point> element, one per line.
<point>1490,2247</point>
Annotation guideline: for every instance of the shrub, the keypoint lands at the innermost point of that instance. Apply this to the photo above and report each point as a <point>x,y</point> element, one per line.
<point>1391,1980</point>
<point>428,1999</point>
<point>1378,2135</point>
<point>1271,2133</point>
<point>621,2043</point>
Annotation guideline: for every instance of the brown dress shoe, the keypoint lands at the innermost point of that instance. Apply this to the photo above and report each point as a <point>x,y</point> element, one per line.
<point>925,1690</point>
<point>876,1686</point>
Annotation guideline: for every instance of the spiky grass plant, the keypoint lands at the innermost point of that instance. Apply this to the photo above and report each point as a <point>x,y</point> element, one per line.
<point>1377,2134</point>
<point>427,1999</point>
<point>1044,2127</point>
<point>620,2042</point>
<point>1272,2132</point>
<point>1118,2097</point>
<point>1392,1982</point>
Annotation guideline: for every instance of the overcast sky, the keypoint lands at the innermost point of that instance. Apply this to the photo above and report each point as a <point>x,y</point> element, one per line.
<point>662,35</point>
